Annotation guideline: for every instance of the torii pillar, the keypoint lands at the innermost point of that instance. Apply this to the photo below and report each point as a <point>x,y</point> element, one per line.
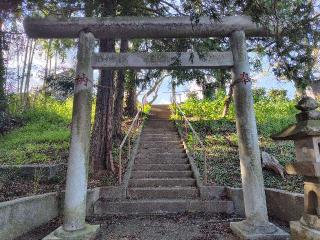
<point>74,225</point>
<point>256,224</point>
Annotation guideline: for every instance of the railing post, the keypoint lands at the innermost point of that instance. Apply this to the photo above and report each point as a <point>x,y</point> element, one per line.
<point>194,154</point>
<point>129,147</point>
<point>120,166</point>
<point>205,165</point>
<point>185,129</point>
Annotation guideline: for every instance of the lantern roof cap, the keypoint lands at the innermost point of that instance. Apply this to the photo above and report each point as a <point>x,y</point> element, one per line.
<point>308,122</point>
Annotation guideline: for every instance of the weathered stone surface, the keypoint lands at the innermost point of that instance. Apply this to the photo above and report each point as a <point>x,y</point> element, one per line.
<point>140,27</point>
<point>249,152</point>
<point>311,221</point>
<point>161,206</point>
<point>300,232</point>
<point>89,232</point>
<point>310,169</point>
<point>170,192</point>
<point>32,171</point>
<point>308,122</point>
<point>112,192</point>
<point>307,104</point>
<point>24,214</point>
<point>21,215</point>
<point>283,205</point>
<point>246,231</point>
<point>299,130</point>
<point>162,182</point>
<point>162,60</point>
<point>312,196</point>
<point>236,196</point>
<point>212,192</point>
<point>310,115</point>
<point>78,162</point>
<point>307,149</point>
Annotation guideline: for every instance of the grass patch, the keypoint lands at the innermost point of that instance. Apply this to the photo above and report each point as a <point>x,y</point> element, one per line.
<point>44,136</point>
<point>220,139</point>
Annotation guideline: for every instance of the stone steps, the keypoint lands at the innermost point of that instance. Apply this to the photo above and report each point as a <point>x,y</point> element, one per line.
<point>161,174</point>
<point>161,160</point>
<point>145,138</point>
<point>159,135</point>
<point>162,179</point>
<point>159,131</point>
<point>161,206</point>
<point>163,192</point>
<point>161,167</point>
<point>148,150</point>
<point>162,182</point>
<point>160,144</point>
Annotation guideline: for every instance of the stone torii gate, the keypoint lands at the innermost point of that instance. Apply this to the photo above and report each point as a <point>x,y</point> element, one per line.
<point>256,225</point>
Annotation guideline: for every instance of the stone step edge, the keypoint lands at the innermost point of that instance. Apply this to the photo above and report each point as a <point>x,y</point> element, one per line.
<point>137,207</point>
<point>175,188</point>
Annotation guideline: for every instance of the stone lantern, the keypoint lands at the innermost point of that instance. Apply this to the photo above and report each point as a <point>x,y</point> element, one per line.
<point>306,136</point>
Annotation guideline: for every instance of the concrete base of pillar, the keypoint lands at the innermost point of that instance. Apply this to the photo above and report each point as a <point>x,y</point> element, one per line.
<point>89,232</point>
<point>247,231</point>
<point>299,231</point>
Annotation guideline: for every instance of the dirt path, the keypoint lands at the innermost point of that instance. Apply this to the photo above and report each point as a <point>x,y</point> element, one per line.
<point>172,227</point>
<point>161,227</point>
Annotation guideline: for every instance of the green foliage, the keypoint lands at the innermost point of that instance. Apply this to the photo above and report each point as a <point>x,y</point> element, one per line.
<point>61,85</point>
<point>278,93</point>
<point>206,109</point>
<point>44,137</point>
<point>273,111</point>
<point>295,25</point>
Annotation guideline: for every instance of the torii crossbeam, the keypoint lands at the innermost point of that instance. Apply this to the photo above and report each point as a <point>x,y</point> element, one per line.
<point>142,27</point>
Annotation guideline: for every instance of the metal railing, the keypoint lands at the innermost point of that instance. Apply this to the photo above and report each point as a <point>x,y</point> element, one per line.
<point>137,123</point>
<point>195,136</point>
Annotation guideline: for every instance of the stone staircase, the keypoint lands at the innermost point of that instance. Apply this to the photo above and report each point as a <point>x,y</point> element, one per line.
<point>162,180</point>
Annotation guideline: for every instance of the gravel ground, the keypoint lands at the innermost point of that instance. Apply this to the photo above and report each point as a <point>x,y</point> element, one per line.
<point>162,227</point>
<point>159,227</point>
<point>168,227</point>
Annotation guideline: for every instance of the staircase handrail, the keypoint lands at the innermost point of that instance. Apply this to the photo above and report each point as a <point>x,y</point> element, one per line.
<point>195,134</point>
<point>135,121</point>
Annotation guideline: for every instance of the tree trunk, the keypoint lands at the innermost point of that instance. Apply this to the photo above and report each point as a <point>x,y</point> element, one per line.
<point>24,67</point>
<point>3,103</point>
<point>101,142</point>
<point>119,94</point>
<point>227,102</point>
<point>155,96</point>
<point>46,71</point>
<point>208,90</point>
<point>18,68</point>
<point>155,88</point>
<point>28,75</point>
<point>300,88</point>
<point>131,107</point>
<point>55,62</point>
